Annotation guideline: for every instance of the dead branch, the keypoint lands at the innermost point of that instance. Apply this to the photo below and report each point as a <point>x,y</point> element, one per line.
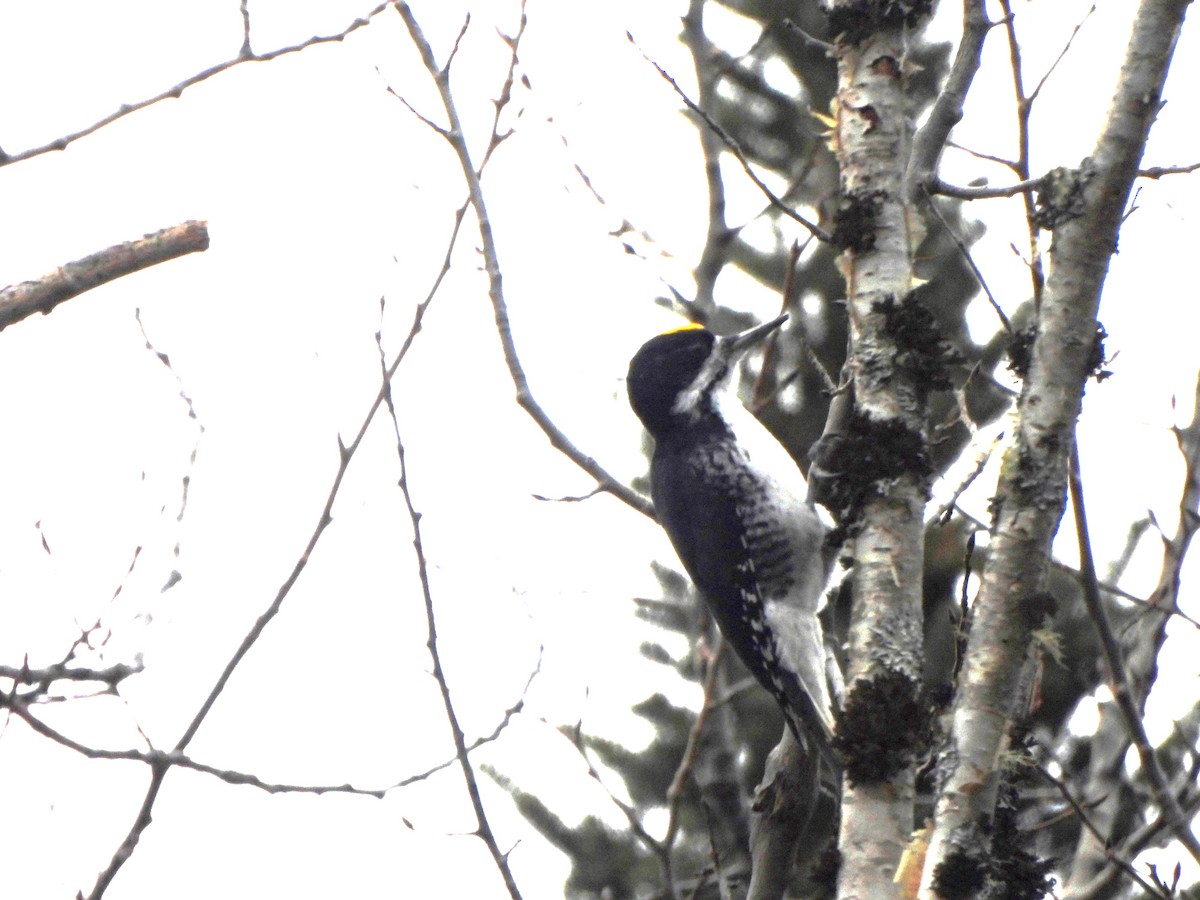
<point>20,301</point>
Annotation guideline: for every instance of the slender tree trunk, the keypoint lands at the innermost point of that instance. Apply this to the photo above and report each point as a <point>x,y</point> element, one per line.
<point>1032,490</point>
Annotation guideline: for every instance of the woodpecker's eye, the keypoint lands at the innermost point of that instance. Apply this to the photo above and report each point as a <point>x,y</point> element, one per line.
<point>665,367</point>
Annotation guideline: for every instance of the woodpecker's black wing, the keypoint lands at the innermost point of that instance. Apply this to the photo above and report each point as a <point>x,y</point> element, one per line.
<point>742,554</point>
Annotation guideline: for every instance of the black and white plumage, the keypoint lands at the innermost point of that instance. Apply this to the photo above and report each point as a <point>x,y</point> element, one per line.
<point>733,502</point>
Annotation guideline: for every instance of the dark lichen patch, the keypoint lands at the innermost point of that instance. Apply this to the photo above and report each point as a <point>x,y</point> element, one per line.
<point>825,869</point>
<point>922,354</point>
<point>1020,351</point>
<point>1060,198</point>
<point>1098,358</point>
<point>1014,872</point>
<point>1037,607</point>
<point>855,224</point>
<point>989,859</point>
<point>856,21</point>
<point>960,875</point>
<point>851,465</point>
<point>883,727</point>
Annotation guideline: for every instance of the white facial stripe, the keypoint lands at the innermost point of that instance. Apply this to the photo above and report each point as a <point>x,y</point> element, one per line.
<point>714,369</point>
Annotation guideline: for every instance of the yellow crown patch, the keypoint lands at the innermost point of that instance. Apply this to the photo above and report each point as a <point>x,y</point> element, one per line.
<point>690,326</point>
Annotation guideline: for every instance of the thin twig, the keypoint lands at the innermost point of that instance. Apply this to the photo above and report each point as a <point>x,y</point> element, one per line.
<point>244,56</point>
<point>1132,845</point>
<point>984,192</point>
<point>718,237</point>
<point>1086,821</point>
<point>174,577</point>
<point>987,157</point>
<point>159,768</point>
<point>1119,678</point>
<point>758,393</point>
<point>483,739</point>
<point>1161,171</point>
<point>483,829</point>
<point>346,454</point>
<point>1024,110</point>
<point>775,201</point>
<point>1062,53</point>
<point>691,751</point>
<point>965,252</point>
<point>944,512</point>
<point>1108,586</point>
<point>161,759</point>
<point>807,38</point>
<point>245,52</point>
<point>456,137</point>
<point>658,849</point>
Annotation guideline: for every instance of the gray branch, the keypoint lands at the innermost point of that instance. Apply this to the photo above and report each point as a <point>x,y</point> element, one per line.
<point>19,301</point>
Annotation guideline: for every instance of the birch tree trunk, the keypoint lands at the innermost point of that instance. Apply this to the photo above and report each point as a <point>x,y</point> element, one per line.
<point>1031,495</point>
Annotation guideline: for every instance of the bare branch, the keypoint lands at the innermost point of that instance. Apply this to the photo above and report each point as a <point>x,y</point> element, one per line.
<point>1062,53</point>
<point>1161,171</point>
<point>524,395</point>
<point>1143,643</point>
<point>691,750</point>
<point>1086,821</point>
<point>947,110</point>
<point>157,759</point>
<point>245,52</point>
<point>947,509</point>
<point>965,252</point>
<point>758,394</point>
<point>659,849</point>
<point>483,828</point>
<point>1143,837</point>
<point>346,454</point>
<point>22,300</point>
<point>1024,110</point>
<point>244,56</point>
<point>718,237</point>
<point>112,675</point>
<point>808,38</point>
<point>987,157</point>
<point>1118,677</point>
<point>736,150</point>
<point>984,192</point>
<point>457,139</point>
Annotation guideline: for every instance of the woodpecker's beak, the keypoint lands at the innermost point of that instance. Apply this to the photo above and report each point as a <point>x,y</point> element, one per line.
<point>740,343</point>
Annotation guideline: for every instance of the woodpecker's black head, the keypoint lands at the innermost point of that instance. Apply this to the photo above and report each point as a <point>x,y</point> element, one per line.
<point>675,376</point>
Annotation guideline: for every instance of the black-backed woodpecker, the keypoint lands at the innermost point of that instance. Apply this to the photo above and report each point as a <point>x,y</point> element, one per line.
<point>734,504</point>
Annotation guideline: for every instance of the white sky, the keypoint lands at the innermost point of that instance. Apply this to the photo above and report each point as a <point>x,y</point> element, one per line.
<point>323,193</point>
